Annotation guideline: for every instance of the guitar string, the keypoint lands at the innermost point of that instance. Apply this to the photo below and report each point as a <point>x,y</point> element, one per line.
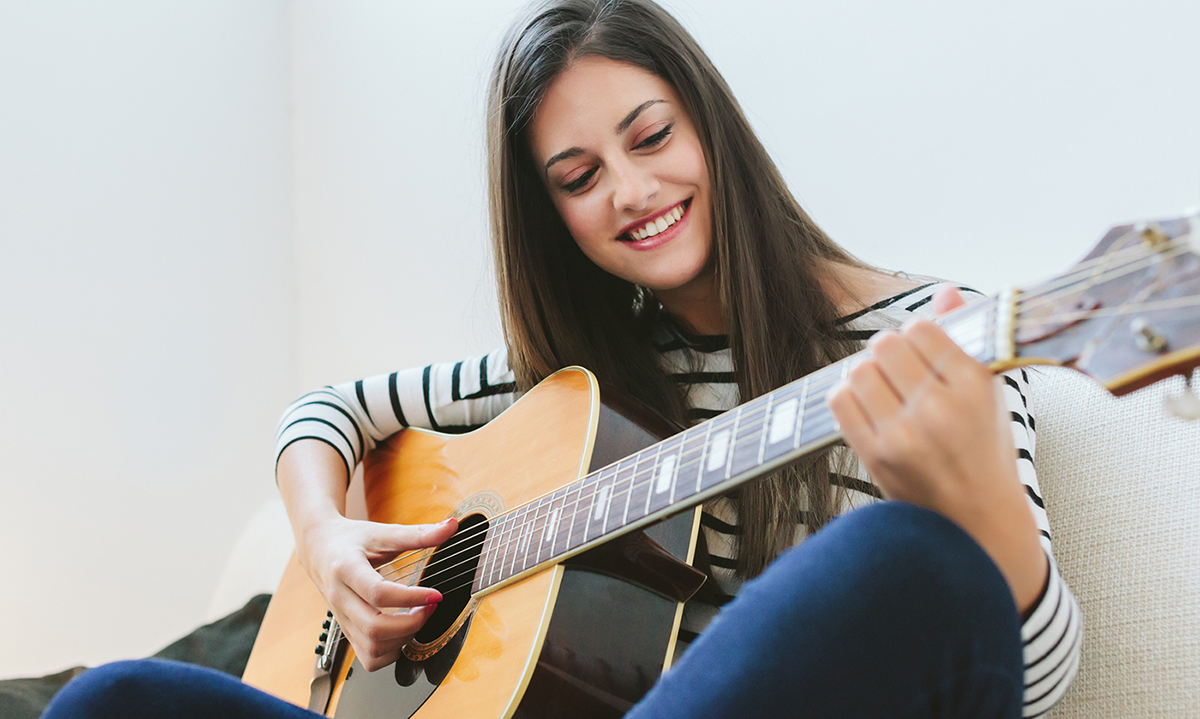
<point>1145,259</point>
<point>651,471</point>
<point>822,380</point>
<point>571,511</point>
<point>1081,271</point>
<point>788,390</point>
<point>609,471</point>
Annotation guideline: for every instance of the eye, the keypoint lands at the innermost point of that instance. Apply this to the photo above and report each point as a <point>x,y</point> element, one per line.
<point>579,182</point>
<point>655,139</point>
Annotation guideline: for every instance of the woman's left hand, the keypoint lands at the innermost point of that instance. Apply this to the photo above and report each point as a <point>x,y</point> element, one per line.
<point>927,423</point>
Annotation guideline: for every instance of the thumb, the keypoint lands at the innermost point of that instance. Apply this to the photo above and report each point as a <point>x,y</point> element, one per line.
<point>947,298</point>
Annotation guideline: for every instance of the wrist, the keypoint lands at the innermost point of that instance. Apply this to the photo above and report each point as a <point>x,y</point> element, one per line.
<point>1005,528</point>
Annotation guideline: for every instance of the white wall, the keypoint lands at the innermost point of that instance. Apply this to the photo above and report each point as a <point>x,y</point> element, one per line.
<point>985,143</point>
<point>147,313</point>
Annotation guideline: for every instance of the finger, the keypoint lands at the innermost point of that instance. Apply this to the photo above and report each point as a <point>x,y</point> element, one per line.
<point>381,593</point>
<point>384,636</point>
<point>395,538</point>
<point>947,298</point>
<point>939,352</point>
<point>876,398</point>
<point>852,421</point>
<point>902,366</point>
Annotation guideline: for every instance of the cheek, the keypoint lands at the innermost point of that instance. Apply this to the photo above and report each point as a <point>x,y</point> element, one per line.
<point>582,221</point>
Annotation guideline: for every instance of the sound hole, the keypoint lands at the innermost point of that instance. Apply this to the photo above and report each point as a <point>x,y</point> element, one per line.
<point>451,570</point>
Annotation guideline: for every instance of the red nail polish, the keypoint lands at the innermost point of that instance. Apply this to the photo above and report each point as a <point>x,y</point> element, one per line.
<point>431,606</point>
<point>435,598</point>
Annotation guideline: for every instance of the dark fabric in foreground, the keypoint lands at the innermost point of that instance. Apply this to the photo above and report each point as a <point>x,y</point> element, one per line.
<point>889,611</point>
<point>223,645</point>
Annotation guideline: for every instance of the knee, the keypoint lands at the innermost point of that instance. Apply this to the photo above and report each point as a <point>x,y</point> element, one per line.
<point>102,692</point>
<point>922,569</point>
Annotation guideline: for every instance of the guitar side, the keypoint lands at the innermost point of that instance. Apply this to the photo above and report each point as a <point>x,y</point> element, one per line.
<point>527,648</point>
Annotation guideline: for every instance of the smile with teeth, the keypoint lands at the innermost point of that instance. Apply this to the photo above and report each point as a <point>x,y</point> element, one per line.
<point>653,227</point>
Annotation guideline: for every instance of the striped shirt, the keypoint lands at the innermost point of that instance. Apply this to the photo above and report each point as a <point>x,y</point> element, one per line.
<point>458,397</point>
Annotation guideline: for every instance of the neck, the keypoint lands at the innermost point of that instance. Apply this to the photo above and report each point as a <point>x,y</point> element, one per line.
<point>696,306</point>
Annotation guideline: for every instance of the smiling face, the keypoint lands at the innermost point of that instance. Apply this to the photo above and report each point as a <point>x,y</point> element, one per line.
<point>625,168</point>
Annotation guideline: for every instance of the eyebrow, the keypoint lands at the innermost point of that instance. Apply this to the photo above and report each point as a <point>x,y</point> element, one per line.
<point>622,126</point>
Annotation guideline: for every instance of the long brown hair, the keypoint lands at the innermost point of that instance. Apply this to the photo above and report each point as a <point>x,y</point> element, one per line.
<point>560,309</point>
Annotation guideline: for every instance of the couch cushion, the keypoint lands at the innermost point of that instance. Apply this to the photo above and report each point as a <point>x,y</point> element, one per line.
<point>1121,481</point>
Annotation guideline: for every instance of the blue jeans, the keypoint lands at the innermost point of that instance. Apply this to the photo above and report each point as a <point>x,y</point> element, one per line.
<point>889,611</point>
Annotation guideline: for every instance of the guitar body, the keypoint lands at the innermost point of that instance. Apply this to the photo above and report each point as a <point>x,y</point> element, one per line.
<point>588,635</point>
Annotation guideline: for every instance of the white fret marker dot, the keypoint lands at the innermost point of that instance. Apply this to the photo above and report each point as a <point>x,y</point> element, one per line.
<point>599,511</point>
<point>716,453</point>
<point>783,421</point>
<point>666,472</point>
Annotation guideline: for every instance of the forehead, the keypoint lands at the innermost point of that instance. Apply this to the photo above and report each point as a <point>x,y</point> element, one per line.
<point>586,102</point>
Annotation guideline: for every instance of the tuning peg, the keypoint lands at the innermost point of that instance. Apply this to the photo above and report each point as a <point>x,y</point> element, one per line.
<point>1185,405</point>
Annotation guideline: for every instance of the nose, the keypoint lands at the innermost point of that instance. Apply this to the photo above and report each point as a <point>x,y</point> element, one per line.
<point>634,187</point>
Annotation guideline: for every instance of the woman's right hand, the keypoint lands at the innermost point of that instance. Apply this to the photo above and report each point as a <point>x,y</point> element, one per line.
<point>377,615</point>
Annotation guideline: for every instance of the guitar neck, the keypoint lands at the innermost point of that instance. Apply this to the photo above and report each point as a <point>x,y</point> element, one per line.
<point>707,460</point>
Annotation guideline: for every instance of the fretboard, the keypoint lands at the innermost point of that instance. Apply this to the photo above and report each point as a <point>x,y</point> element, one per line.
<point>707,460</point>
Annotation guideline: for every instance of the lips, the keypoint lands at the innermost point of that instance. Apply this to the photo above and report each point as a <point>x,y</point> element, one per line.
<point>659,222</point>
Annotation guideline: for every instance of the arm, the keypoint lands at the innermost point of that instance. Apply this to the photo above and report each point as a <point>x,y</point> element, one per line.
<point>322,436</point>
<point>934,428</point>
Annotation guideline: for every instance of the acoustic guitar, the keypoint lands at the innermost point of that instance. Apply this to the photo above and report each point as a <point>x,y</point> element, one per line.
<point>564,584</point>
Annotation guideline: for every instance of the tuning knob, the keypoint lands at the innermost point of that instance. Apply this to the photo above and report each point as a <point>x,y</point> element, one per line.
<point>1148,338</point>
<point>323,637</point>
<point>325,624</point>
<point>319,650</point>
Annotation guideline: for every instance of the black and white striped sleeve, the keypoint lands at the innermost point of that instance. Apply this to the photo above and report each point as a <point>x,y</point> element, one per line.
<point>353,417</point>
<point>1052,633</point>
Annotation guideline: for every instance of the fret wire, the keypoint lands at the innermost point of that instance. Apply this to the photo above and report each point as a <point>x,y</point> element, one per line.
<point>567,539</point>
<point>678,466</point>
<point>555,520</point>
<point>523,542</point>
<point>762,443</point>
<point>632,480</point>
<point>803,413</point>
<point>650,484</point>
<point>612,493</point>
<point>507,524</point>
<point>482,569</point>
<point>703,454</point>
<point>733,440</point>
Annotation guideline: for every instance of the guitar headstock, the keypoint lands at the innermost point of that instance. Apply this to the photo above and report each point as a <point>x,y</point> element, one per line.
<point>1128,314</point>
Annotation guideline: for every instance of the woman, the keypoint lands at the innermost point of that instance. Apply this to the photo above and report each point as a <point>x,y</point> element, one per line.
<point>641,231</point>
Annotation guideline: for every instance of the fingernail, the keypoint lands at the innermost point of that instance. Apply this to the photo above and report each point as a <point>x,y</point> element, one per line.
<point>430,607</point>
<point>446,521</point>
<point>435,597</point>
